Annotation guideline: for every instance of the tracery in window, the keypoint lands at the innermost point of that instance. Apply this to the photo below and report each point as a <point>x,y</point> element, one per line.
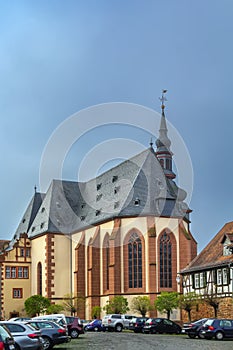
<point>165,261</point>
<point>135,261</point>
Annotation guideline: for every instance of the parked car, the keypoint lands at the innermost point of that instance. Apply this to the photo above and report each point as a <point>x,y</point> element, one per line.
<point>95,325</point>
<point>193,329</point>
<point>20,319</point>
<point>6,339</point>
<point>116,322</point>
<point>137,324</point>
<point>51,332</point>
<point>59,318</point>
<point>75,326</point>
<point>26,337</point>
<point>217,328</point>
<point>161,325</point>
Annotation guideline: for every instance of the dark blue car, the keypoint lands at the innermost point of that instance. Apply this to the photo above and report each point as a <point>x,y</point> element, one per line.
<point>217,328</point>
<point>95,326</point>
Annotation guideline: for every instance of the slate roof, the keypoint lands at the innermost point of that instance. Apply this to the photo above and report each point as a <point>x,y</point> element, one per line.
<point>212,254</point>
<point>28,217</point>
<point>135,187</point>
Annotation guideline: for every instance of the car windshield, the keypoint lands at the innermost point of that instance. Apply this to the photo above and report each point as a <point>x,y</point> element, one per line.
<point>209,322</point>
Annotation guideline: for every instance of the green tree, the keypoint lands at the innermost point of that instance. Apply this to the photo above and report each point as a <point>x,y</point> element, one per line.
<point>54,309</point>
<point>36,304</point>
<point>166,302</point>
<point>117,305</point>
<point>187,302</point>
<point>141,304</point>
<point>73,304</point>
<point>96,311</point>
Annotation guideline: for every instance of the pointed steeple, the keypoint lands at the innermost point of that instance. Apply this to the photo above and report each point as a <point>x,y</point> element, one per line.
<point>163,143</point>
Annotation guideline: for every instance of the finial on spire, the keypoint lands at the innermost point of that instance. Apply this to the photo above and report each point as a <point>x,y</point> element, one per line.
<point>35,188</point>
<point>151,143</point>
<point>163,99</point>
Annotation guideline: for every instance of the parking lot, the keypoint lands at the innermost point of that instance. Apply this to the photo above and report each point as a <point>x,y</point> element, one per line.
<point>131,341</point>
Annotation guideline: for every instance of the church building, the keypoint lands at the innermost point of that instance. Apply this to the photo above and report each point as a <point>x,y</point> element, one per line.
<point>125,232</point>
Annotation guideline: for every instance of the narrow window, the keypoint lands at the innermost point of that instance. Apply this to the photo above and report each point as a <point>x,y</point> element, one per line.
<point>219,277</point>
<point>13,272</point>
<point>135,261</point>
<point>107,266</point>
<point>28,252</point>
<point>39,279</point>
<point>20,272</point>
<point>165,261</point>
<point>21,252</point>
<point>8,272</point>
<point>25,272</point>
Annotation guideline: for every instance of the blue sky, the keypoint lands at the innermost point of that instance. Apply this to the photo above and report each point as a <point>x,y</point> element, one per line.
<point>58,57</point>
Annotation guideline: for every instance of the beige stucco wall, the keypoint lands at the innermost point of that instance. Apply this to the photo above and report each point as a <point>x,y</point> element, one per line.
<point>62,250</point>
<point>38,254</point>
<point>61,260</point>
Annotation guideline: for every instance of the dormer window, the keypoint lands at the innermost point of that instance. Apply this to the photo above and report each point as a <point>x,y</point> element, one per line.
<point>116,189</point>
<point>114,178</point>
<point>97,212</point>
<point>137,202</point>
<point>98,187</point>
<point>98,197</point>
<point>227,243</point>
<point>227,250</point>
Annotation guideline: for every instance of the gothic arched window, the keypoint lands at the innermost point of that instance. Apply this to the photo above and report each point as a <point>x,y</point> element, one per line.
<point>106,263</point>
<point>39,279</point>
<point>135,261</point>
<point>165,261</point>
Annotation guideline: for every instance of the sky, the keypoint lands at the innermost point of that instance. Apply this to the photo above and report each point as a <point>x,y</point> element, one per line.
<point>61,57</point>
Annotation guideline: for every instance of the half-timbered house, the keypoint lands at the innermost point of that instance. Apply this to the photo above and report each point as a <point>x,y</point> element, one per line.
<point>210,276</point>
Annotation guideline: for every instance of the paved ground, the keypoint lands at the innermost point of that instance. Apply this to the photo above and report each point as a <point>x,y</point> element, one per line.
<point>132,341</point>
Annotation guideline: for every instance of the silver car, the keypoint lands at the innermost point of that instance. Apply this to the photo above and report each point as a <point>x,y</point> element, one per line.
<point>26,337</point>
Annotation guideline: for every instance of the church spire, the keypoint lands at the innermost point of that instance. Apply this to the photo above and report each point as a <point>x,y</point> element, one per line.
<point>163,143</point>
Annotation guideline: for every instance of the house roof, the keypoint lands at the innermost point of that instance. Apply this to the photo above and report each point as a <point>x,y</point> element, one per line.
<point>212,254</point>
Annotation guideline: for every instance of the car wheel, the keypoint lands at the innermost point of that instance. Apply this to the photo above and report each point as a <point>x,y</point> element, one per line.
<point>47,343</point>
<point>191,336</point>
<point>118,328</point>
<point>74,333</point>
<point>201,335</point>
<point>219,336</point>
<point>96,329</point>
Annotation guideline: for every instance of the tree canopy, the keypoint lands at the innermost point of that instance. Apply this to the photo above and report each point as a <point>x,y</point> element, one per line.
<point>117,305</point>
<point>36,304</point>
<point>141,304</point>
<point>166,302</point>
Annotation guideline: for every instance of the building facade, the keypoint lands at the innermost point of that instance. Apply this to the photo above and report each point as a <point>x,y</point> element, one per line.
<point>125,232</point>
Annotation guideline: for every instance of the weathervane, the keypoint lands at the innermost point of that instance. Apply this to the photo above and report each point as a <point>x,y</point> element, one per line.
<point>163,98</point>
